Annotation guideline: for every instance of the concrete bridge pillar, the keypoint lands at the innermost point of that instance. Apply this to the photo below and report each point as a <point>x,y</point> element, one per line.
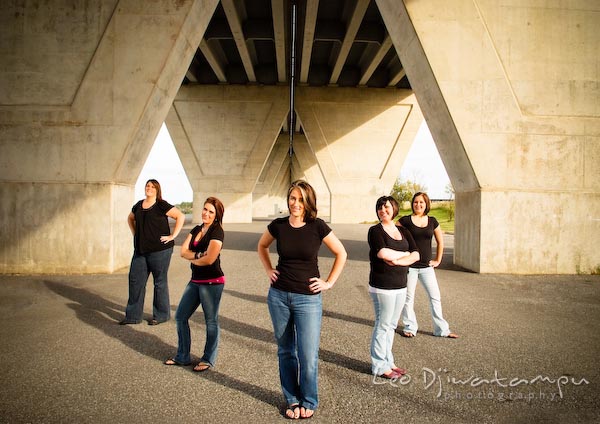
<point>359,139</point>
<point>269,195</point>
<point>515,114</point>
<point>77,123</point>
<point>224,136</point>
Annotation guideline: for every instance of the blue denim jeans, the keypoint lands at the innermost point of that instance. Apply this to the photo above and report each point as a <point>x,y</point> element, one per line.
<point>142,265</point>
<point>194,295</point>
<point>388,307</point>
<point>430,284</point>
<point>297,326</point>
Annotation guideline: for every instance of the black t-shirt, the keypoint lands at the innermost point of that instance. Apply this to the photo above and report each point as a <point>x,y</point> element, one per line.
<point>423,237</point>
<point>206,272</point>
<point>382,275</point>
<point>150,225</point>
<point>298,250</point>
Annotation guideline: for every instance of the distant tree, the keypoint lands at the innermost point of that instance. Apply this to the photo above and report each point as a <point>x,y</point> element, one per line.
<point>185,207</point>
<point>403,191</point>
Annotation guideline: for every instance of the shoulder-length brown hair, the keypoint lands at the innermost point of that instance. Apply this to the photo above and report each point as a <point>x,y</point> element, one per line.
<point>309,197</point>
<point>219,209</point>
<point>427,201</point>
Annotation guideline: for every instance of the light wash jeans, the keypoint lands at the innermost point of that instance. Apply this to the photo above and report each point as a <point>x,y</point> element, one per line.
<point>429,281</point>
<point>297,326</point>
<point>388,307</point>
<point>142,265</point>
<point>194,295</point>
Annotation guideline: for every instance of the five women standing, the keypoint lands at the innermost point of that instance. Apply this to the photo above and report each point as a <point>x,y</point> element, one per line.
<point>294,299</point>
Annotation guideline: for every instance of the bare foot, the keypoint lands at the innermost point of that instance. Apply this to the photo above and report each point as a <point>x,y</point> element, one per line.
<point>292,412</point>
<point>306,413</point>
<point>202,366</point>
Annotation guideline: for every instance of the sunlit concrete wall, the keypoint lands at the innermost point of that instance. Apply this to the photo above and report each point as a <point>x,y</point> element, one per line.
<point>83,92</point>
<point>510,92</point>
<point>352,148</point>
<point>513,107</point>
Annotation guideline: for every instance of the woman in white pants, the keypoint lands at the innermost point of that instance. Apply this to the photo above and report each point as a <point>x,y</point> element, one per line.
<point>423,228</point>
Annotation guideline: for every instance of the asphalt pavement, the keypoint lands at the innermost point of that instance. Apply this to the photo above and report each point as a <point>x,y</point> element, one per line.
<point>527,352</point>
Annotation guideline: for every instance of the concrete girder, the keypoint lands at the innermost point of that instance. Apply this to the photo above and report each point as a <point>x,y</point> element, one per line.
<point>351,30</point>
<point>234,10</point>
<point>225,137</point>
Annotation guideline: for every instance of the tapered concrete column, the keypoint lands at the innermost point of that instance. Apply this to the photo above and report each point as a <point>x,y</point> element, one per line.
<point>224,136</point>
<point>83,93</point>
<point>516,124</point>
<point>359,139</point>
<point>270,192</point>
<point>305,167</point>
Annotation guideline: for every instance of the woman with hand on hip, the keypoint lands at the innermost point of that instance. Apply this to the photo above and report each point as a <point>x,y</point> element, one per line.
<point>391,250</point>
<point>153,247</point>
<point>202,248</point>
<point>295,300</point>
<point>423,228</point>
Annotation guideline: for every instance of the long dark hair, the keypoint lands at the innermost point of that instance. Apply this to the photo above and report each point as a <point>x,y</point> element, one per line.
<point>219,209</point>
<point>156,185</point>
<point>309,198</point>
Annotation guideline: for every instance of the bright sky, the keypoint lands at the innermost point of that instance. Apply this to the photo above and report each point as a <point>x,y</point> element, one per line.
<point>422,165</point>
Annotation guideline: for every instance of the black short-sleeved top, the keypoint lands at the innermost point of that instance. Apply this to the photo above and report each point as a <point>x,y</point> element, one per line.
<point>212,271</point>
<point>382,275</point>
<point>423,237</point>
<point>298,250</point>
<point>150,225</point>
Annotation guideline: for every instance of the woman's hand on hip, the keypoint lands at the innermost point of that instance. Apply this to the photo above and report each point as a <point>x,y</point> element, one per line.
<point>273,275</point>
<point>317,285</point>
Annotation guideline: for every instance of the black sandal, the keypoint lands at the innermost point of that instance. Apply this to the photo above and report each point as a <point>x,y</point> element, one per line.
<point>201,367</point>
<point>172,361</point>
<point>292,409</point>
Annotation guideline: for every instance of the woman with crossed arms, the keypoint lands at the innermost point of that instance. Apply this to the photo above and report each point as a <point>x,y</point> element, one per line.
<point>202,248</point>
<point>391,250</point>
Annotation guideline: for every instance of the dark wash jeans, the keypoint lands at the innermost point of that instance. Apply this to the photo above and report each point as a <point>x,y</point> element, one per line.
<point>142,265</point>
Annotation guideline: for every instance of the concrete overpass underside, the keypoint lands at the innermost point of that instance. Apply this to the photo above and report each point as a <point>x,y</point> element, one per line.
<point>509,90</point>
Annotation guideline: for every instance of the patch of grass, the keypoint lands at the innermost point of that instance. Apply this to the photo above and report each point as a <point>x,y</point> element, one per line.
<point>443,214</point>
<point>445,217</point>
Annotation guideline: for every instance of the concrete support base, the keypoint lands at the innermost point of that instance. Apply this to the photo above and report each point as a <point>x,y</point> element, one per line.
<point>64,228</point>
<point>547,240</point>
